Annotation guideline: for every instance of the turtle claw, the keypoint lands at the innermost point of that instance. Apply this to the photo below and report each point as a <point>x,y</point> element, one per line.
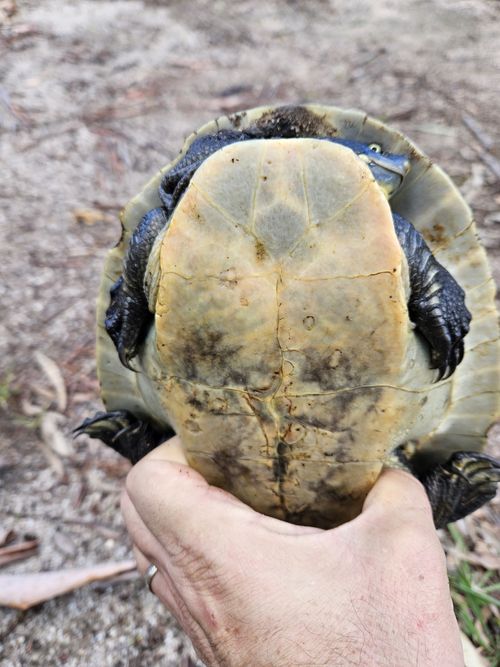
<point>127,434</point>
<point>461,485</point>
<point>454,358</point>
<point>126,319</point>
<point>451,325</point>
<point>443,373</point>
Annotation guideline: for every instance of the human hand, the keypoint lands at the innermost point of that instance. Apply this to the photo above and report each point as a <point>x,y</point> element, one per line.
<point>250,590</point>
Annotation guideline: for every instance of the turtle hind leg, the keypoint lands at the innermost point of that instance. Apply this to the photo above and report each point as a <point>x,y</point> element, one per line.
<point>461,485</point>
<point>128,435</point>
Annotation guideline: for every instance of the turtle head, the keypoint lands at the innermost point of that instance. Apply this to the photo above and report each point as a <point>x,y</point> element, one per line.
<point>388,169</point>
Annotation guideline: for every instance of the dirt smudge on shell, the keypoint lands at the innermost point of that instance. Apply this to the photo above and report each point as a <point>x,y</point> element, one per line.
<point>294,121</point>
<point>207,347</point>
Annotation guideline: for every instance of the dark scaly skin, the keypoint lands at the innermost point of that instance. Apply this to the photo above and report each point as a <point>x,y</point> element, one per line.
<point>437,302</point>
<point>460,486</point>
<point>128,317</point>
<point>127,434</point>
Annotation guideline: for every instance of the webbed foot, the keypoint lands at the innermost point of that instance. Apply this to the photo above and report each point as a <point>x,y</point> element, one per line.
<point>461,485</point>
<point>128,316</point>
<point>437,302</point>
<point>126,434</point>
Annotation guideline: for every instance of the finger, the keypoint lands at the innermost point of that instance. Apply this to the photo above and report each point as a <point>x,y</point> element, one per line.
<point>148,551</point>
<point>171,450</point>
<point>179,507</point>
<point>165,590</point>
<point>399,492</point>
<point>159,585</point>
<point>140,534</point>
<point>142,561</point>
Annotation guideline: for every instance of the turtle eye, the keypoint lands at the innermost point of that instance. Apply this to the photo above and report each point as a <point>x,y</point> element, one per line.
<point>376,148</point>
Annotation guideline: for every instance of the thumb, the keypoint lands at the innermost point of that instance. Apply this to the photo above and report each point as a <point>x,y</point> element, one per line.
<point>176,503</point>
<point>400,495</point>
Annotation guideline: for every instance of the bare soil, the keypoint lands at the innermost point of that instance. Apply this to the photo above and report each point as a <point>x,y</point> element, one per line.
<point>94,97</point>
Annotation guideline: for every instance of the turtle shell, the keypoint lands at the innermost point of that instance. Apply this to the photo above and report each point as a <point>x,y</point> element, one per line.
<point>282,352</point>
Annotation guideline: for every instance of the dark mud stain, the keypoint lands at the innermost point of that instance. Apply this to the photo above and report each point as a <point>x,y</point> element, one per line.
<point>195,402</point>
<point>192,425</point>
<point>210,403</point>
<point>204,352</point>
<point>341,452</point>
<point>436,235</point>
<point>336,412</point>
<point>342,455</point>
<point>280,463</point>
<point>330,370</point>
<point>260,250</point>
<point>323,490</point>
<point>293,121</point>
<point>231,468</point>
<point>310,420</point>
<point>317,513</point>
<point>237,119</point>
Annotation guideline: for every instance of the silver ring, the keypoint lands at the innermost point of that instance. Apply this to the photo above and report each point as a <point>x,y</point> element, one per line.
<point>149,574</point>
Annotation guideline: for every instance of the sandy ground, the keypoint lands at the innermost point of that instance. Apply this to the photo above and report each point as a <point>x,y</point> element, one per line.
<point>94,97</point>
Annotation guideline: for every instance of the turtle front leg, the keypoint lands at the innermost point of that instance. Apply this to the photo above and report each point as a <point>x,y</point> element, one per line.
<point>125,433</point>
<point>175,181</point>
<point>128,317</point>
<point>437,302</point>
<point>461,485</point>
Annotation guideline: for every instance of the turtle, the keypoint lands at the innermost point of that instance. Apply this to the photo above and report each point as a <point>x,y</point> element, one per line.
<point>302,297</point>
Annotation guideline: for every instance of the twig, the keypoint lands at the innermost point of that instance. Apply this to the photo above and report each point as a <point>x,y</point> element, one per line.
<point>107,207</point>
<point>492,163</point>
<point>474,128</point>
<point>71,127</point>
<point>485,141</point>
<point>12,625</point>
<point>119,113</point>
<point>17,552</point>
<point>106,531</point>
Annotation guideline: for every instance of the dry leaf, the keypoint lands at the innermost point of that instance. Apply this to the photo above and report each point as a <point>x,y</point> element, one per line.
<point>91,216</point>
<point>473,185</point>
<point>8,9</point>
<point>18,555</point>
<point>472,657</point>
<point>17,551</point>
<point>486,560</point>
<point>30,409</point>
<point>83,397</point>
<point>53,460</point>
<point>54,375</point>
<point>22,591</point>
<point>7,535</point>
<point>52,434</point>
<point>45,395</point>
